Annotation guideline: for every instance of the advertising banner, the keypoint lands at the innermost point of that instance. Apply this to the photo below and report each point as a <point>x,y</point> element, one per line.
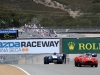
<point>29,46</point>
<point>8,34</point>
<point>81,45</point>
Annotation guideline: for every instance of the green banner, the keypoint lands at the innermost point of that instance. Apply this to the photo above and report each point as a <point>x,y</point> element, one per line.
<point>82,45</point>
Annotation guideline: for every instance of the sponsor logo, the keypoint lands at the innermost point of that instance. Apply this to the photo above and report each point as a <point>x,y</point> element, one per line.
<point>25,49</point>
<point>8,31</point>
<point>9,44</point>
<point>40,44</point>
<point>71,46</point>
<point>7,35</point>
<point>89,46</point>
<point>26,46</point>
<point>84,46</point>
<point>10,47</point>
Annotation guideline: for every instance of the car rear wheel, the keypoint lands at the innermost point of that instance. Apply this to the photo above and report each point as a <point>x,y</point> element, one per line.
<point>57,63</point>
<point>96,65</point>
<point>61,62</point>
<point>47,62</point>
<point>44,62</point>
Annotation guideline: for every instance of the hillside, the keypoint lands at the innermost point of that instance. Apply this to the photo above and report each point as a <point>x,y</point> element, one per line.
<point>76,4</point>
<point>31,6</point>
<point>28,6</point>
<point>52,13</point>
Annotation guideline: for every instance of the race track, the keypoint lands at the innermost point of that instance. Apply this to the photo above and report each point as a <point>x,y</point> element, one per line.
<point>58,69</point>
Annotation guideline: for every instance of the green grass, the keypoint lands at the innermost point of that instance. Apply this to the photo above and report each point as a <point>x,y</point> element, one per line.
<point>28,6</point>
<point>76,4</point>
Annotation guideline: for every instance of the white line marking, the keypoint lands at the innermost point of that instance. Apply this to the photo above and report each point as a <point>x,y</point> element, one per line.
<point>20,69</point>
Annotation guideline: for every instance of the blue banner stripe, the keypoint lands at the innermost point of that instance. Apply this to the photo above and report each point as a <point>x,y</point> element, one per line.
<point>8,31</point>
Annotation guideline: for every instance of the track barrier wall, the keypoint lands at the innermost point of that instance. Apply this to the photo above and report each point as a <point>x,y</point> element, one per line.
<point>65,45</point>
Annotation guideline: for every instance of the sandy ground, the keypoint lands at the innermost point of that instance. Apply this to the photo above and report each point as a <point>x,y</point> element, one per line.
<point>10,70</point>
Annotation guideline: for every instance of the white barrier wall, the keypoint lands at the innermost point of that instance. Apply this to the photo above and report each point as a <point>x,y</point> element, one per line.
<point>29,46</point>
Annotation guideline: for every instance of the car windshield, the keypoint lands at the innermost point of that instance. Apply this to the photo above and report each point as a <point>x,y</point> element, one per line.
<point>87,54</point>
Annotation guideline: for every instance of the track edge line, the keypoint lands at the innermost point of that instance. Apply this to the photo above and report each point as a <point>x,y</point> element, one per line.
<point>20,69</point>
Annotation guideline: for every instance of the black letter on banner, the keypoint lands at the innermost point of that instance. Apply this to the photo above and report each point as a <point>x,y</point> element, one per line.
<point>23,44</point>
<point>33,44</point>
<point>56,43</point>
<point>45,44</point>
<point>38,43</point>
<point>51,43</point>
<point>28,44</point>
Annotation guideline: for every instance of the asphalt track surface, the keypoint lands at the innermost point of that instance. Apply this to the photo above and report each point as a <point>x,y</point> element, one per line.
<point>60,69</point>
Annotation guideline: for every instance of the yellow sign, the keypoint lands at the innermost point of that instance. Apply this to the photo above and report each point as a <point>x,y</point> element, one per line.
<point>8,36</point>
<point>71,46</point>
<point>89,46</point>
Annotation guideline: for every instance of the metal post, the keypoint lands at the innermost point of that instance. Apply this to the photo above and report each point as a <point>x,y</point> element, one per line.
<point>25,58</point>
<point>37,59</point>
<point>68,59</point>
<point>60,46</point>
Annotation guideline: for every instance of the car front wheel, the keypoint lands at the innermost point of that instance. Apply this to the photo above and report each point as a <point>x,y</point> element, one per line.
<point>79,64</point>
<point>76,64</point>
<point>91,65</point>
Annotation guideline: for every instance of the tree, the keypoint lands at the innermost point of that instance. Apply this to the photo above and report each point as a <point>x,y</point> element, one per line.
<point>2,22</point>
<point>11,20</point>
<point>35,17</point>
<point>96,1</point>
